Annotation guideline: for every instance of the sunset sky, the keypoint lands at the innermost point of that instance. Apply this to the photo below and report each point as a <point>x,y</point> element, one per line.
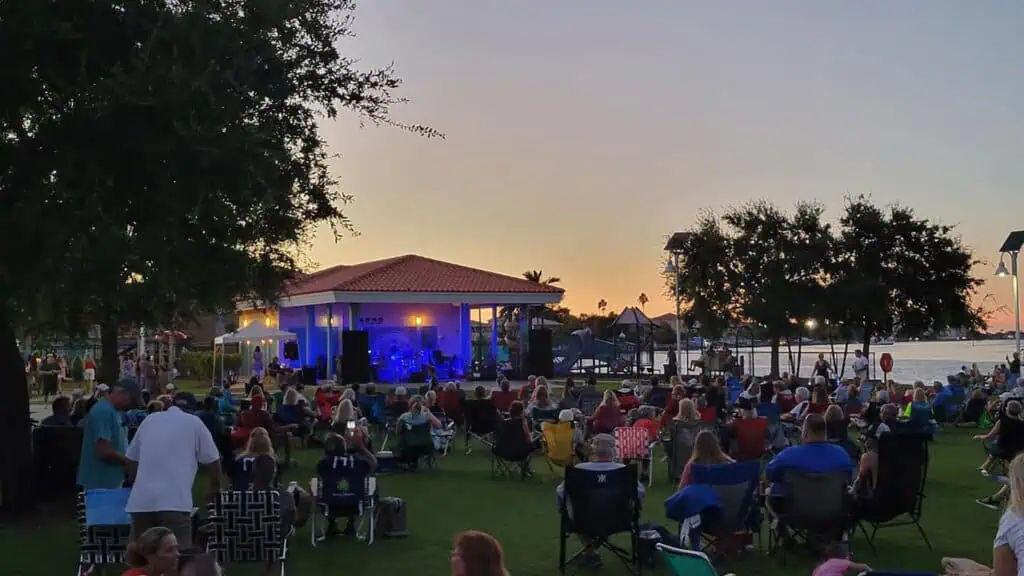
<point>580,133</point>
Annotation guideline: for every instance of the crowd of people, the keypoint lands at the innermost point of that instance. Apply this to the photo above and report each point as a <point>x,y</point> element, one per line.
<point>159,446</point>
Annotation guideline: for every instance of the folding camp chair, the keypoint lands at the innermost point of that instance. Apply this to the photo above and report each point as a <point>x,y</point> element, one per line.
<point>751,438</point>
<point>100,544</point>
<point>633,444</point>
<point>682,562</point>
<point>559,443</point>
<point>814,509</point>
<point>589,399</point>
<point>247,527</point>
<point>899,493</point>
<point>344,487</point>
<point>596,506</point>
<point>415,442</point>
<point>446,433</point>
<point>682,436</point>
<point>736,486</point>
<point>481,420</point>
<point>511,450</point>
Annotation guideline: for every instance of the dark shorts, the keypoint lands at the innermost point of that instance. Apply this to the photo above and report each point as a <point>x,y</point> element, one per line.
<point>993,449</point>
<point>50,385</point>
<point>180,523</point>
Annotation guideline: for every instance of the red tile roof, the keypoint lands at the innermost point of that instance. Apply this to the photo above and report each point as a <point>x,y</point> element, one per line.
<point>413,273</point>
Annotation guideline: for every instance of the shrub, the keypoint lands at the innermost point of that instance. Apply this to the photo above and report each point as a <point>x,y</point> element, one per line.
<point>77,369</point>
<point>199,364</point>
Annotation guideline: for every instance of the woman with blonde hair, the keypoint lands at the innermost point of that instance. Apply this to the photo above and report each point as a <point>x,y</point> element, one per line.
<point>706,450</point>
<point>477,554</point>
<point>541,401</point>
<point>153,553</point>
<point>419,414</point>
<point>258,444</point>
<point>687,411</point>
<point>1008,546</point>
<point>608,416</point>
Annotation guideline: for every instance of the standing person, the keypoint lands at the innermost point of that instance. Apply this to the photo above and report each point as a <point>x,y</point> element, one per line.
<point>257,363</point>
<point>1014,367</point>
<point>821,367</point>
<point>127,366</point>
<point>163,458</point>
<point>147,377</point>
<point>89,373</point>
<point>102,462</point>
<point>860,365</point>
<point>50,371</point>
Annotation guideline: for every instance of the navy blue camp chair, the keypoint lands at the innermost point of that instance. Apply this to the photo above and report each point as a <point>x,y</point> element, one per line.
<point>736,486</point>
<point>344,487</point>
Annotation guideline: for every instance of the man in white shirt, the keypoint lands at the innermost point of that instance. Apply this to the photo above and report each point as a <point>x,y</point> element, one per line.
<point>860,365</point>
<point>163,458</point>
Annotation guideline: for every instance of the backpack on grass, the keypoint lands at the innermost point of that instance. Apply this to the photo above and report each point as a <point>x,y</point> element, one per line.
<point>391,518</point>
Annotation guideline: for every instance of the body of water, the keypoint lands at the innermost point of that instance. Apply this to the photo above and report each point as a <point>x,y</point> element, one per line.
<point>925,361</point>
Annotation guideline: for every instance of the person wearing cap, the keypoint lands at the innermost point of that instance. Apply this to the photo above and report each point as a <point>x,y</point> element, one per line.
<point>628,400</point>
<point>101,464</point>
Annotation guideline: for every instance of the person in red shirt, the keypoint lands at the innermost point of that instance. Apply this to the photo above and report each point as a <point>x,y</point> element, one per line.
<point>628,400</point>
<point>646,419</point>
<point>526,392</point>
<point>153,553</point>
<point>608,415</point>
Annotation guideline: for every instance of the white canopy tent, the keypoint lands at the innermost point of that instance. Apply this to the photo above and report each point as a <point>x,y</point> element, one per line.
<point>252,335</point>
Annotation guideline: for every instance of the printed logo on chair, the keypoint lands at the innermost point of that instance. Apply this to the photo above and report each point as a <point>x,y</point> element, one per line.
<point>107,507</point>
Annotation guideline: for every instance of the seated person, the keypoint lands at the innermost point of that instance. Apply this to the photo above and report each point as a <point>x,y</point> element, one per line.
<point>975,409</point>
<point>335,444</point>
<point>516,412</point>
<point>836,424</point>
<point>803,401</point>
<point>399,404</point>
<point>526,392</point>
<point>259,444</point>
<point>815,455</point>
<point>258,417</point>
<point>541,404</point>
<point>264,478</point>
<point>867,469</point>
<point>1006,439</point>
<point>919,411</point>
<point>706,450</point>
<point>61,416</point>
<point>570,395</point>
<point>602,458</point>
<point>628,400</point>
<point>608,416</point>
<point>647,420</point>
<point>352,439</point>
<point>672,403</point>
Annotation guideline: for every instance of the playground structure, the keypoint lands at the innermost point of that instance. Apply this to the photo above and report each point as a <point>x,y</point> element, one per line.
<point>620,356</point>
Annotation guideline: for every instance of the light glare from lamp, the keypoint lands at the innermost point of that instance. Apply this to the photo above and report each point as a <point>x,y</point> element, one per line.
<point>419,321</point>
<point>1001,271</point>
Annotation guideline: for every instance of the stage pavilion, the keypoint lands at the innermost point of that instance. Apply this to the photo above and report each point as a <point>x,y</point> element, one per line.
<point>415,310</point>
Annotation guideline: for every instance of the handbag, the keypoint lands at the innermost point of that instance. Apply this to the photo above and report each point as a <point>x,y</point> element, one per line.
<point>107,507</point>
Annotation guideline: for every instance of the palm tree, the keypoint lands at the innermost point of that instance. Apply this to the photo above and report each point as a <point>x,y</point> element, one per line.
<point>512,313</point>
<point>602,305</point>
<point>642,300</point>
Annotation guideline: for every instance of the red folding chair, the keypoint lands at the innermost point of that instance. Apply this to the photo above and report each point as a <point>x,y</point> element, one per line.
<point>633,444</point>
<point>708,414</point>
<point>751,438</point>
<point>502,400</point>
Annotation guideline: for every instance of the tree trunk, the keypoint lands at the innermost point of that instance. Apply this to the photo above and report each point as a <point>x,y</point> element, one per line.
<point>774,371</point>
<point>17,466</point>
<point>866,337</point>
<point>846,352</point>
<point>110,367</point>
<point>799,352</point>
<point>789,353</point>
<point>832,351</point>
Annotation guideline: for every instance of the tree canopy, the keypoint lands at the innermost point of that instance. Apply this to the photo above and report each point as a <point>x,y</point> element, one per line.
<point>883,271</point>
<point>162,158</point>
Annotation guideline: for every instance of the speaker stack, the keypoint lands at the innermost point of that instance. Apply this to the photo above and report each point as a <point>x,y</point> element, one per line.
<point>355,358</point>
<point>539,357</point>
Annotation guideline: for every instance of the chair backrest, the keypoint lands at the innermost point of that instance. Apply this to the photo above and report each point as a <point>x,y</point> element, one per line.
<point>708,413</point>
<point>786,403</point>
<point>546,415</point>
<point>590,398</point>
<point>684,435</point>
<point>450,402</point>
<point>186,401</point>
<point>815,500</point>
<point>289,414</point>
<point>481,416</point>
<point>510,440</point>
<point>686,562</point>
<point>502,399</point>
<point>241,473</point>
<point>333,470</point>
<point>902,472</point>
<point>415,436</point>
<point>815,408</point>
<point>603,503</point>
<point>631,443</point>
<point>751,437</point>
<point>842,394</point>
<point>558,440</point>
<point>246,526</point>
<point>769,410</point>
<point>867,388</point>
<point>736,486</point>
<point>658,396</point>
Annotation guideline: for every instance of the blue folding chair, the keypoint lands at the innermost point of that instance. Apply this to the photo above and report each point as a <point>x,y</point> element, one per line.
<point>344,487</point>
<point>736,486</point>
<point>103,528</point>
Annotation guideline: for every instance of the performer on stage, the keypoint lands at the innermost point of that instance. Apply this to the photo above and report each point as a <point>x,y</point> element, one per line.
<point>257,362</point>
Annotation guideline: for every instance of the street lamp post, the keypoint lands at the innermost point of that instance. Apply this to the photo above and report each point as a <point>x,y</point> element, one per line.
<point>1012,246</point>
<point>674,246</point>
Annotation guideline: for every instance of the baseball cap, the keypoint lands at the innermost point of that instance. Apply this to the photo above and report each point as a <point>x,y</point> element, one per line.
<point>102,388</point>
<point>171,386</point>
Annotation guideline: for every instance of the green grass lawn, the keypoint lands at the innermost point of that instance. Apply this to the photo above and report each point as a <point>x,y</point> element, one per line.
<point>460,494</point>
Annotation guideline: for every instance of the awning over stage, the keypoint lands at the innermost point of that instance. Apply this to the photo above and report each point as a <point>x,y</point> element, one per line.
<point>253,332</point>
